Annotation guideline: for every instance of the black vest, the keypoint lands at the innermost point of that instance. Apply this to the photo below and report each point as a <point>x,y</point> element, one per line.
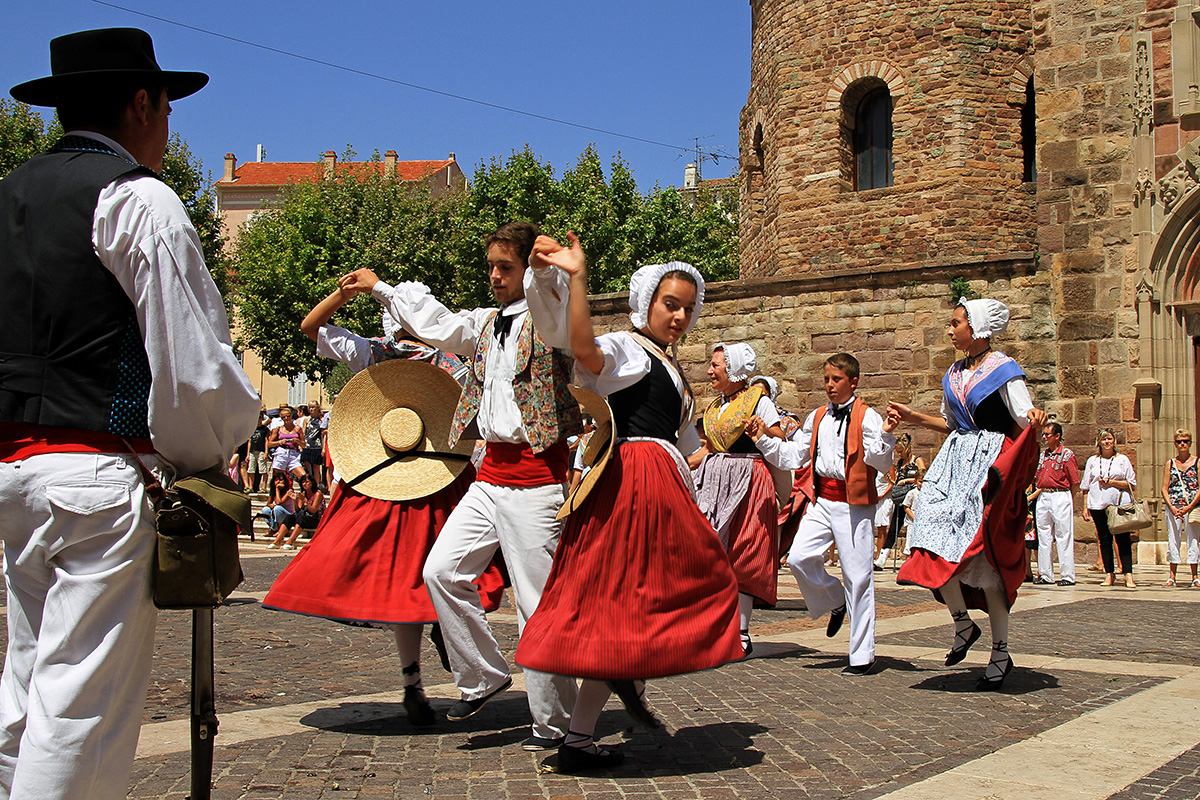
<point>651,407</point>
<point>71,352</point>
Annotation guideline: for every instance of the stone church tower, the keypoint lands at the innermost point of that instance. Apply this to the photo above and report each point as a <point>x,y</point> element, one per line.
<point>1043,153</point>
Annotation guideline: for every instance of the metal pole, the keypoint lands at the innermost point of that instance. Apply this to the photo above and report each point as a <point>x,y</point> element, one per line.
<point>204,716</point>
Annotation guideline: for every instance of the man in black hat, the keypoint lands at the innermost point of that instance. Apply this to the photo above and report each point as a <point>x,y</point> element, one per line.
<point>115,339</point>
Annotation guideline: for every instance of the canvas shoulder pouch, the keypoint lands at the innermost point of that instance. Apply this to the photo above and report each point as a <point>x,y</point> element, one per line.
<point>196,561</point>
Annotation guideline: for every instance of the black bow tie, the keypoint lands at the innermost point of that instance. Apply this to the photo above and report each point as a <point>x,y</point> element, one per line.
<point>502,326</point>
<point>840,415</point>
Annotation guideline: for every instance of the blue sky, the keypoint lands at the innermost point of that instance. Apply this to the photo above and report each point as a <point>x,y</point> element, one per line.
<point>663,71</point>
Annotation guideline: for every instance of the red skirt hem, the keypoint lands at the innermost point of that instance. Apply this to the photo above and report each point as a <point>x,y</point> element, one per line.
<point>754,539</point>
<point>364,562</point>
<point>1001,534</point>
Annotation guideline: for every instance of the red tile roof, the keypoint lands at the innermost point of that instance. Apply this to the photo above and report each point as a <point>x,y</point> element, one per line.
<point>281,173</point>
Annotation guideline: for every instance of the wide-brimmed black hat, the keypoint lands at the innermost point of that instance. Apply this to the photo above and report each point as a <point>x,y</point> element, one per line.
<point>82,61</point>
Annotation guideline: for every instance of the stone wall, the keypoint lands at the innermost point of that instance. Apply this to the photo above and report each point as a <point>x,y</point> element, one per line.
<point>893,321</point>
<point>1104,296</point>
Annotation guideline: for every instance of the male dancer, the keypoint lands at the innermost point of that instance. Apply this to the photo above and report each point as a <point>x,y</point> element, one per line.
<point>847,443</point>
<point>517,395</point>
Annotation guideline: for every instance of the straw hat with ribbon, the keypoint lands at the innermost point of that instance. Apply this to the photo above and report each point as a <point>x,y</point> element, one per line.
<point>389,428</point>
<point>599,447</point>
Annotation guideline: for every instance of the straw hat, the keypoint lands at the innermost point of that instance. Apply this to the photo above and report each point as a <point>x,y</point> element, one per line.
<point>391,409</point>
<point>599,447</point>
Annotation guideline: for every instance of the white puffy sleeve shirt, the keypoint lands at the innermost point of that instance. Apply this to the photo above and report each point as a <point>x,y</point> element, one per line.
<point>342,345</point>
<point>831,446</point>
<point>201,404</point>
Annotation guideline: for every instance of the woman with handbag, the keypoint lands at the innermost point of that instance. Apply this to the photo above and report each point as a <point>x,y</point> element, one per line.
<point>1181,492</point>
<point>1106,477</point>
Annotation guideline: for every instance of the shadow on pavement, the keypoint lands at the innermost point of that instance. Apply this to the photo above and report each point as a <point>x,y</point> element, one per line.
<point>389,719</point>
<point>716,747</point>
<point>1020,681</point>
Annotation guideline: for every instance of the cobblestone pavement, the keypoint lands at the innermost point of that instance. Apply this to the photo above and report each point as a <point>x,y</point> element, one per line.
<point>311,709</point>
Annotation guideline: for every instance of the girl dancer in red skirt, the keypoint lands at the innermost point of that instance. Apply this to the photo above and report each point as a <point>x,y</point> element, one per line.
<point>363,565</point>
<point>640,586</point>
<point>968,532</point>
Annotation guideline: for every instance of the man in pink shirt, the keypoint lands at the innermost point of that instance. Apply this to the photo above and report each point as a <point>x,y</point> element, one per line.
<point>1057,480</point>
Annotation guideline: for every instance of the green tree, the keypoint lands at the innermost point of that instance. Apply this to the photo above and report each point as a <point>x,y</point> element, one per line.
<point>620,228</point>
<point>23,134</point>
<point>290,255</point>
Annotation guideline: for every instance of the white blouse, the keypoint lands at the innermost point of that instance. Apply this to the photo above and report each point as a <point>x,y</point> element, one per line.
<point>1118,468</point>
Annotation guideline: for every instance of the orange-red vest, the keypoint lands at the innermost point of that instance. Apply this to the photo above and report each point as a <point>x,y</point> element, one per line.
<point>860,476</point>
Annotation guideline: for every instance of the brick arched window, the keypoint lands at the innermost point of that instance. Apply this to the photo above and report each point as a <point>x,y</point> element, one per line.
<point>864,96</point>
<point>872,140</point>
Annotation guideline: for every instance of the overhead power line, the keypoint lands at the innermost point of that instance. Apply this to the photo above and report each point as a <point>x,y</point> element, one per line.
<point>398,82</point>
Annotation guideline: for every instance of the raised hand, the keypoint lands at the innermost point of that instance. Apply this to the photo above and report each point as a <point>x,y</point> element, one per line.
<point>361,280</point>
<point>902,413</point>
<point>571,260</point>
<point>543,247</point>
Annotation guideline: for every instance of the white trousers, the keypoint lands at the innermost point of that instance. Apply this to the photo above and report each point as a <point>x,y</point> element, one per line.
<point>78,536</point>
<point>1176,530</point>
<point>1055,518</point>
<point>853,529</point>
<point>520,521</point>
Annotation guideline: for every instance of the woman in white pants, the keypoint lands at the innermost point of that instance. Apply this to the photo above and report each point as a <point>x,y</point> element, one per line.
<point>1181,491</point>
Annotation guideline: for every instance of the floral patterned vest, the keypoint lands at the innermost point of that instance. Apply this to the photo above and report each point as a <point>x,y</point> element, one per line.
<point>549,411</point>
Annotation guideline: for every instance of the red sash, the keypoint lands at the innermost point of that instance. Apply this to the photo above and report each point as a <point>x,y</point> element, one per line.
<point>19,441</point>
<point>507,464</point>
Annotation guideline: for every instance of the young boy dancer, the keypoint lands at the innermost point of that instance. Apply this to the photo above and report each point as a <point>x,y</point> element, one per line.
<point>516,392</point>
<point>847,443</point>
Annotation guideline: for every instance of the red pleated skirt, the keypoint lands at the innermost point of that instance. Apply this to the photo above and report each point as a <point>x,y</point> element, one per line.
<point>364,562</point>
<point>1001,534</point>
<point>791,514</point>
<point>754,538</point>
<point>640,587</point>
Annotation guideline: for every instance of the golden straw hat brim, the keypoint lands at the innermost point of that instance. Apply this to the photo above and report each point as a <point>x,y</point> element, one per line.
<point>599,447</point>
<point>360,421</point>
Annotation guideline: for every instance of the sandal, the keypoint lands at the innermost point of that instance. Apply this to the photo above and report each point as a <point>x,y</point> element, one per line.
<point>1196,583</point>
<point>1170,582</point>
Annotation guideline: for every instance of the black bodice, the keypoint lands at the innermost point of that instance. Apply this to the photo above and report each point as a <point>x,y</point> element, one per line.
<point>651,407</point>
